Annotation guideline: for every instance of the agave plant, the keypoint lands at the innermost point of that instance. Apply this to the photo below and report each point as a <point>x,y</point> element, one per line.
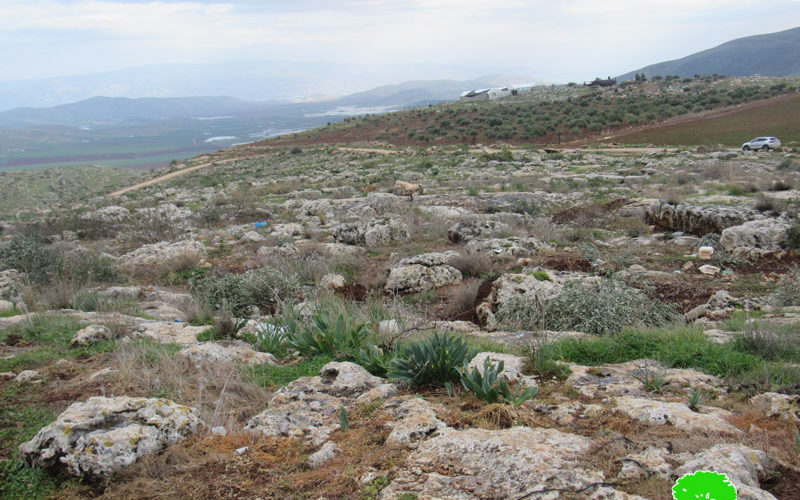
<point>325,337</point>
<point>434,360</point>
<point>373,360</point>
<point>489,386</point>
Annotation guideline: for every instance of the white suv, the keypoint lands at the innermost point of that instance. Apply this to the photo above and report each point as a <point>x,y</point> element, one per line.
<point>762,143</point>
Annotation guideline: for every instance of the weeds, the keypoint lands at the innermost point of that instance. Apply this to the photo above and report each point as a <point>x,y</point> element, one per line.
<point>695,398</point>
<point>651,374</point>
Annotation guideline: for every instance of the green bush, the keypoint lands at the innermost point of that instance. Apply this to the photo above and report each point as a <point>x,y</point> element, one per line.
<point>596,308</point>
<point>787,293</point>
<point>264,288</point>
<point>434,360</point>
<point>34,257</point>
<point>374,360</point>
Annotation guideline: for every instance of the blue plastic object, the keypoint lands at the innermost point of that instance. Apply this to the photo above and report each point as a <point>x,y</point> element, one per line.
<point>260,224</point>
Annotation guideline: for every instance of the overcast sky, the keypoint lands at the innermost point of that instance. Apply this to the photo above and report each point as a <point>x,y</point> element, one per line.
<point>554,41</point>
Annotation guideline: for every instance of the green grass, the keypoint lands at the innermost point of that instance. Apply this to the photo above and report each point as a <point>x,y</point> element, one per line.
<point>683,348</point>
<point>50,337</point>
<point>275,376</point>
<point>778,118</point>
<point>10,312</point>
<point>20,419</point>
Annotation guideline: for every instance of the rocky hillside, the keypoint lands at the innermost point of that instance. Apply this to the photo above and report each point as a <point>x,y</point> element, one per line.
<point>340,321</point>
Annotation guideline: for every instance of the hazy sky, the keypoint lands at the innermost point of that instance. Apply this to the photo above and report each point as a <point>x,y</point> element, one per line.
<point>555,41</point>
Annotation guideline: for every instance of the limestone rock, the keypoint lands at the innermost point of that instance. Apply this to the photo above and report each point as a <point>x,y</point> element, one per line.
<point>26,376</point>
<point>332,282</point>
<point>745,468</point>
<point>422,272</point>
<point>767,234</point>
<point>102,435</point>
<point>91,335</point>
<point>324,454</point>
<point>676,414</point>
<point>416,420</point>
<point>463,232</point>
<point>6,305</point>
<point>309,407</point>
<point>696,219</point>
<point>161,252</point>
<point>168,332</point>
<point>773,404</point>
<point>509,463</point>
<point>226,352</point>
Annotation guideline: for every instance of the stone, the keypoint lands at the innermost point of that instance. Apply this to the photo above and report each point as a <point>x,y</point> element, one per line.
<point>676,414</point>
<point>767,234</point>
<point>696,219</point>
<point>463,232</point>
<point>519,462</point>
<point>227,351</point>
<point>773,404</point>
<point>92,334</point>
<point>168,332</point>
<point>745,468</point>
<point>6,305</point>
<point>332,282</point>
<point>7,375</point>
<point>323,455</point>
<point>507,249</point>
<point>422,272</point>
<point>251,237</point>
<point>100,436</point>
<point>26,376</point>
<point>158,253</point>
<point>652,461</point>
<point>416,420</point>
<point>111,213</point>
<point>219,431</point>
<point>309,407</point>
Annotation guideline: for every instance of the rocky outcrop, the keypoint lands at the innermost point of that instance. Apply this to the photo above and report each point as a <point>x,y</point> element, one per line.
<point>161,252</point>
<point>465,231</point>
<point>109,214</point>
<point>767,234</point>
<point>519,462</point>
<point>226,352</point>
<point>309,407</point>
<point>102,435</point>
<point>91,335</point>
<point>422,272</point>
<point>504,249</point>
<point>773,404</point>
<point>168,332</point>
<point>679,415</point>
<point>10,280</point>
<point>695,219</point>
<point>416,420</point>
<point>745,467</point>
<point>378,232</point>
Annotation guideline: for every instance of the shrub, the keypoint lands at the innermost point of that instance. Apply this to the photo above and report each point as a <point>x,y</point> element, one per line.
<point>434,360</point>
<point>595,308</point>
<point>491,387</point>
<point>226,326</point>
<point>787,292</point>
<point>264,288</point>
<point>31,255</point>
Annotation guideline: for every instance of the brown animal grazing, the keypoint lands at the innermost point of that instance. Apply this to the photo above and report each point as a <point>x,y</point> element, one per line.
<point>403,188</point>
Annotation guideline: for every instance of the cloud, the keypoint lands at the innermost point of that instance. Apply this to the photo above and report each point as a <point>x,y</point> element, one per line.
<point>564,40</point>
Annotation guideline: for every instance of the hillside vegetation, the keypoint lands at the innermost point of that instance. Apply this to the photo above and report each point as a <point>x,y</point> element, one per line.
<point>548,115</point>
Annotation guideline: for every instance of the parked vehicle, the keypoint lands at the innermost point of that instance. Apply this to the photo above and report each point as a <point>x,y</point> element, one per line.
<point>762,143</point>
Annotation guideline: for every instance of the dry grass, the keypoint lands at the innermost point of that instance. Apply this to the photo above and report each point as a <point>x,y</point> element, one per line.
<point>473,264</point>
<point>220,392</point>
